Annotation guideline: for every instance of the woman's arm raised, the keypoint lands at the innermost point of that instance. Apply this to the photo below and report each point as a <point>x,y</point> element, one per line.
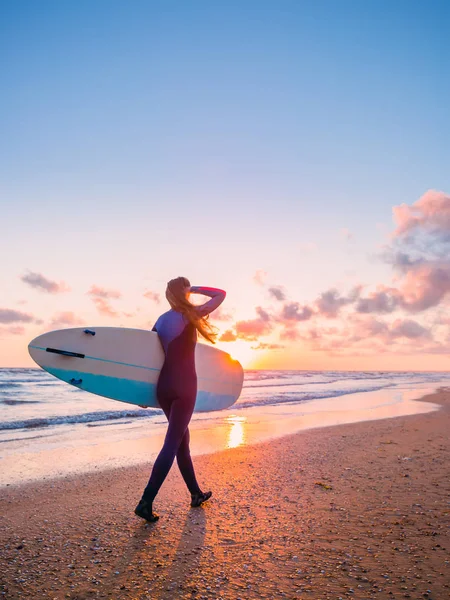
<point>217,297</point>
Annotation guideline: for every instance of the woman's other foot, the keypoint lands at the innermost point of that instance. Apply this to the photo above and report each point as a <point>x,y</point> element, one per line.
<point>144,510</point>
<point>198,499</point>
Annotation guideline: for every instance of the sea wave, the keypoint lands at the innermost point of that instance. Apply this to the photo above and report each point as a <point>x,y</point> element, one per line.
<point>301,397</point>
<point>7,385</point>
<point>82,418</point>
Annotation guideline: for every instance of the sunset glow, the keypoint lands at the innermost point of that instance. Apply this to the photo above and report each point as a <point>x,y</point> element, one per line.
<point>241,351</point>
<point>236,435</point>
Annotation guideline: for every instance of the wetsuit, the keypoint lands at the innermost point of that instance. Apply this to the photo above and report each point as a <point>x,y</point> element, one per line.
<point>177,390</point>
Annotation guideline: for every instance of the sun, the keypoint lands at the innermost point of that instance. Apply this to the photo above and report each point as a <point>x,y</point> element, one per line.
<point>239,350</point>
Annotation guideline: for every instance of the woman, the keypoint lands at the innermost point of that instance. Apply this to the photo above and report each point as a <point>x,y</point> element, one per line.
<point>177,386</point>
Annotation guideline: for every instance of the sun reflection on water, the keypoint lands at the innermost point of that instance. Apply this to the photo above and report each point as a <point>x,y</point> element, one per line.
<point>236,435</point>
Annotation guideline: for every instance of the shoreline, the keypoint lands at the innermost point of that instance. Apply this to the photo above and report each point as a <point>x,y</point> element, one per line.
<point>60,451</point>
<point>358,511</point>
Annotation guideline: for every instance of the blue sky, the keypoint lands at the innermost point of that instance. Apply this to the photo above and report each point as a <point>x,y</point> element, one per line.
<point>142,140</point>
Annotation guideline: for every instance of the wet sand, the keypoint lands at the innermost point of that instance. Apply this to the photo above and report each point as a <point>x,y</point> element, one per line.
<point>352,511</point>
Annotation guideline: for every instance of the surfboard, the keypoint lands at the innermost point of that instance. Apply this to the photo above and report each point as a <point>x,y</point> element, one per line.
<point>124,364</point>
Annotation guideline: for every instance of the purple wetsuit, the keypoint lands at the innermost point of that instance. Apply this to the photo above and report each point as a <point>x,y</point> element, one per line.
<point>177,390</point>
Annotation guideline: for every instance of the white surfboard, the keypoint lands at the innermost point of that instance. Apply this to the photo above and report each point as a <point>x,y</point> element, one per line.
<point>124,364</point>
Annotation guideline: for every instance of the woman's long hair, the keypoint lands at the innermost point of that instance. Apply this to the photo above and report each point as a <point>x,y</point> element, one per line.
<point>177,298</point>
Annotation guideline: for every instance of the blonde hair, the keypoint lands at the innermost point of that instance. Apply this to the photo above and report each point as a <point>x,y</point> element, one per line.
<point>177,298</point>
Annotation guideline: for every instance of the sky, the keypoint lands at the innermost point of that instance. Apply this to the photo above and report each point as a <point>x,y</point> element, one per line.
<point>293,153</point>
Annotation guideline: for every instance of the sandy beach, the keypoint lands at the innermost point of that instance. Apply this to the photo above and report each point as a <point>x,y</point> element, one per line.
<point>351,511</point>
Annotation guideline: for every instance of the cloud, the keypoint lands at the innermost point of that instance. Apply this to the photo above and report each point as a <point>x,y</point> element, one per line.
<point>66,318</point>
<point>259,277</point>
<point>408,329</point>
<point>12,330</point>
<point>419,252</point>
<point>425,286</point>
<point>330,302</point>
<point>369,328</point>
<point>101,296</point>
<point>422,287</point>
<point>290,333</point>
<point>39,282</point>
<point>253,328</point>
<point>431,213</point>
<point>99,292</point>
<point>265,346</point>
<point>250,329</point>
<point>292,311</point>
<point>8,315</point>
<point>278,293</point>
<point>262,314</point>
<point>368,335</point>
<point>153,296</point>
<point>104,307</point>
<point>228,336</point>
<point>401,260</point>
<point>385,300</point>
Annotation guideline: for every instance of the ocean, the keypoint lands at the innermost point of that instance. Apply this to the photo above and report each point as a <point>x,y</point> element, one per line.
<point>43,420</point>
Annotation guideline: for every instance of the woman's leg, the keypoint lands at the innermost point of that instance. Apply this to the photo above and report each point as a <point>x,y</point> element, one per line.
<point>179,414</point>
<point>185,465</point>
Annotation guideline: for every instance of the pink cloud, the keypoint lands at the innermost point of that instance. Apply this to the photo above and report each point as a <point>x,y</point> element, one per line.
<point>293,311</point>
<point>8,315</point>
<point>153,296</point>
<point>12,330</point>
<point>277,292</point>
<point>430,212</point>
<point>265,346</point>
<point>425,286</point>
<point>384,300</point>
<point>369,328</point>
<point>330,302</point>
<point>408,329</point>
<point>290,333</point>
<point>263,314</point>
<point>39,282</point>
<point>364,333</point>
<point>104,307</point>
<point>252,329</point>
<point>228,336</point>
<point>99,292</point>
<point>65,318</point>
